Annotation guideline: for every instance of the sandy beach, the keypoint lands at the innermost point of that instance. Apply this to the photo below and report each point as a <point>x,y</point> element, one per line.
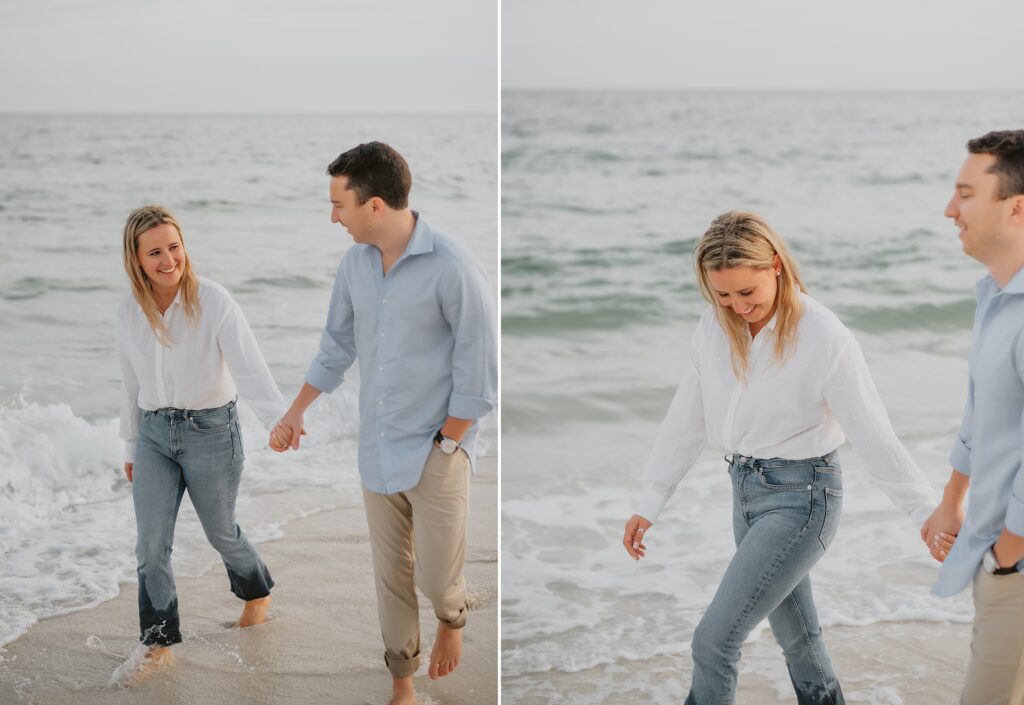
<point>321,644</point>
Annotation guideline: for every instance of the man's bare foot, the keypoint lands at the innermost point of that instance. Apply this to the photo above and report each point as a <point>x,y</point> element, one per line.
<point>444,657</point>
<point>152,662</point>
<point>402,691</point>
<point>254,612</point>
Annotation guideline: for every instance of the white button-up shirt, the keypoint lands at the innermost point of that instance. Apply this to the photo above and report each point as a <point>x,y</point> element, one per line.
<point>201,368</point>
<point>798,409</point>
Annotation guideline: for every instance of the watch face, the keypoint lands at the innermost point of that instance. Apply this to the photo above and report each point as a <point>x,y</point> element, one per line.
<point>449,446</point>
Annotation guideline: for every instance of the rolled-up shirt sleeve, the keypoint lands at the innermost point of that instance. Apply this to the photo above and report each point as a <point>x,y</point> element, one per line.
<point>679,442</point>
<point>960,455</point>
<point>247,367</point>
<point>854,401</point>
<point>131,414</point>
<point>337,342</point>
<point>468,307</point>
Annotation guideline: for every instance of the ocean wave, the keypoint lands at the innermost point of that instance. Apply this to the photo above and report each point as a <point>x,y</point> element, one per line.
<point>293,281</point>
<point>956,315</point>
<point>33,287</point>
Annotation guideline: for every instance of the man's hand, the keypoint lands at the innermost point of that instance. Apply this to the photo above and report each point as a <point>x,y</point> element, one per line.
<point>940,530</point>
<point>128,469</point>
<point>633,538</point>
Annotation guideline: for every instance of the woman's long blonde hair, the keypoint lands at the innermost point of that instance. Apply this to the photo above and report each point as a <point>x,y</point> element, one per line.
<point>741,239</point>
<point>139,221</point>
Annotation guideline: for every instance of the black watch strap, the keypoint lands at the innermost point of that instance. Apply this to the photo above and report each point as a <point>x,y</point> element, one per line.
<point>439,437</point>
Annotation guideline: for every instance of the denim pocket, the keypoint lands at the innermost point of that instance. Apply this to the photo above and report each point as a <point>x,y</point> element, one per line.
<point>788,478</point>
<point>830,523</point>
<point>217,422</point>
<point>237,446</point>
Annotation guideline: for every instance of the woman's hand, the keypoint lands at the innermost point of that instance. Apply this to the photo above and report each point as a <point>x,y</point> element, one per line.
<point>128,467</point>
<point>633,538</point>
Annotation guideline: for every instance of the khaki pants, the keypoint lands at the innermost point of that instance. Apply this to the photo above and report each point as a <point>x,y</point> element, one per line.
<point>995,674</point>
<point>423,527</point>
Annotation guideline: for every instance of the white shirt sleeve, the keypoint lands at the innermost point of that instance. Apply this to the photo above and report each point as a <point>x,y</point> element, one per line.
<point>248,368</point>
<point>131,414</point>
<point>852,397</point>
<point>679,441</point>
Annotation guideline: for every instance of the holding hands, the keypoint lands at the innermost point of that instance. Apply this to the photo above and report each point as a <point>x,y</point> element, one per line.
<point>941,529</point>
<point>287,432</point>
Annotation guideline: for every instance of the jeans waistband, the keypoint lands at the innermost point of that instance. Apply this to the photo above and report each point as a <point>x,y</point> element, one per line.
<point>764,463</point>
<point>173,413</point>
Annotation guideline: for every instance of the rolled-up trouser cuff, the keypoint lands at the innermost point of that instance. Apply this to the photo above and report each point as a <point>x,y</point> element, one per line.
<point>402,667</point>
<point>459,622</point>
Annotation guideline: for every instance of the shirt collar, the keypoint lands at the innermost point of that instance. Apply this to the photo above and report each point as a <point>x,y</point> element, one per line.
<point>1016,283</point>
<point>422,240</point>
<point>177,300</point>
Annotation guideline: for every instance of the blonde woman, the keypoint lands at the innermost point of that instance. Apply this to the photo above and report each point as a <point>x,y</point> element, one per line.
<point>776,380</point>
<point>184,345</point>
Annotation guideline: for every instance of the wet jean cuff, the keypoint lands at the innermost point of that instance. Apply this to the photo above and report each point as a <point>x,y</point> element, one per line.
<point>251,587</point>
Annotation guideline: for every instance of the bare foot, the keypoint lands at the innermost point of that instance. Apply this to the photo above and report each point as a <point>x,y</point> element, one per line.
<point>444,657</point>
<point>152,662</point>
<point>254,612</point>
<point>403,693</point>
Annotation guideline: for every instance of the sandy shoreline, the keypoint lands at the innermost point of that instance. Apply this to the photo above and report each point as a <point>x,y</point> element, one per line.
<point>322,643</point>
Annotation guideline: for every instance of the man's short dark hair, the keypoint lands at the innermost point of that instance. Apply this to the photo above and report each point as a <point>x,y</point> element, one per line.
<point>1007,146</point>
<point>375,169</point>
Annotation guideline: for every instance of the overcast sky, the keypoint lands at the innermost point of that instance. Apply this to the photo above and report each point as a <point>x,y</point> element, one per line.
<point>294,56</point>
<point>763,44</point>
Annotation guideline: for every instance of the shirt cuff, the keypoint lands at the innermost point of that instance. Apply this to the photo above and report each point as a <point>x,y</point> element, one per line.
<point>322,378</point>
<point>960,457</point>
<point>463,407</point>
<point>129,451</point>
<point>650,505</point>
<point>1015,516</point>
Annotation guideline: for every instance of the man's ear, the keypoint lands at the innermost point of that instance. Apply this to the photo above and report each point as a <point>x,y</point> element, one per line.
<point>377,204</point>
<point>1017,208</point>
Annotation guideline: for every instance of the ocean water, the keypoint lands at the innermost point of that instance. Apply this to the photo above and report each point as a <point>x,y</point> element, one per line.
<point>251,193</point>
<point>604,195</point>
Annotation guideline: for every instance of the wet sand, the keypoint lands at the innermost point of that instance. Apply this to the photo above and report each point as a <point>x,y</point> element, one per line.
<point>321,644</point>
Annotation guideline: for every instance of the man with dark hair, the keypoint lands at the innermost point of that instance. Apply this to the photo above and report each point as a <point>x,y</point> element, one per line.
<point>988,207</point>
<point>415,308</point>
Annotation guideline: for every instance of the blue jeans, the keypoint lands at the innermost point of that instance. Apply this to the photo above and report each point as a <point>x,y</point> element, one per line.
<point>785,514</point>
<point>200,451</point>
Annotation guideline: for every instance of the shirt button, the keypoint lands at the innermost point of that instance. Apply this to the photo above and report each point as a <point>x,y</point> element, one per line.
<point>381,434</point>
<point>381,335</point>
<point>380,369</point>
<point>384,301</point>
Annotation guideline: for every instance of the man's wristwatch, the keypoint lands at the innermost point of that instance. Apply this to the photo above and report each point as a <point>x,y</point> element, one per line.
<point>448,446</point>
<point>991,565</point>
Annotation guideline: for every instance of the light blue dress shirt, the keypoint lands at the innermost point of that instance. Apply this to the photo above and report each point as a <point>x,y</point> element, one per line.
<point>991,441</point>
<point>425,336</point>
